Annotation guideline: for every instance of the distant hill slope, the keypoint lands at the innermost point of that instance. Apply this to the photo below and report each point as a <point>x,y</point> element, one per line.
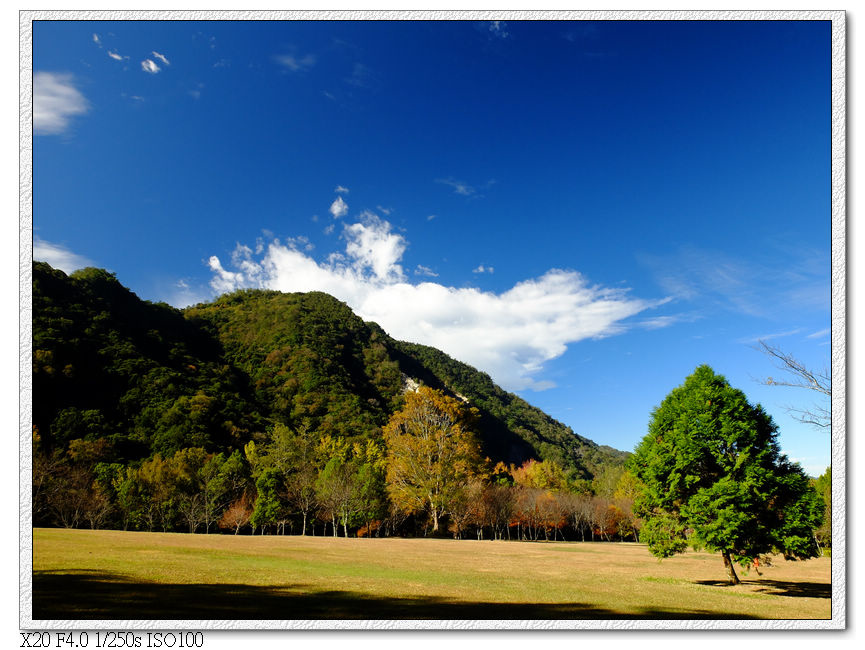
<point>109,365</point>
<point>151,378</point>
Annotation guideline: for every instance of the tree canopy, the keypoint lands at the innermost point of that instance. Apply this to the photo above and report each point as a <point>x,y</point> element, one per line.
<point>433,452</point>
<point>713,476</point>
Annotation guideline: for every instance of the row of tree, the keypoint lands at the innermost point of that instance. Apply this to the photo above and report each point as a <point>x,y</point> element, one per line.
<point>426,476</point>
<point>709,473</point>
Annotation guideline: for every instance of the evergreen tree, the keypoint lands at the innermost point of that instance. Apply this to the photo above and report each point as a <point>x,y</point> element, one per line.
<point>714,477</point>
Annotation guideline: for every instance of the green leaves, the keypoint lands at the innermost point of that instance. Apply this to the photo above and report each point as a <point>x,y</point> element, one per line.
<point>664,534</point>
<point>711,467</point>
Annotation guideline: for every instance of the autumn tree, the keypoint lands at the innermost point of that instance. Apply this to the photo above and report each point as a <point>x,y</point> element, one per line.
<point>467,508</point>
<point>499,508</point>
<point>578,508</point>
<point>543,475</point>
<point>713,476</point>
<point>237,515</point>
<point>432,452</point>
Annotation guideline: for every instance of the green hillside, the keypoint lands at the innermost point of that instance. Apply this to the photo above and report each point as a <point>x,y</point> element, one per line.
<point>118,380</point>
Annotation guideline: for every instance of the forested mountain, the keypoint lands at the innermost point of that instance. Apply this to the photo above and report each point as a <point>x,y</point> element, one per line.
<point>149,378</point>
<point>270,411</point>
<point>140,376</point>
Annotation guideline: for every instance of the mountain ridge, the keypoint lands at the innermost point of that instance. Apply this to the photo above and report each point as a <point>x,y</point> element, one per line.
<point>152,378</point>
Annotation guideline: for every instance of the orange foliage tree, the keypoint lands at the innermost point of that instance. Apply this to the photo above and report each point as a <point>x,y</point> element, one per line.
<point>432,453</point>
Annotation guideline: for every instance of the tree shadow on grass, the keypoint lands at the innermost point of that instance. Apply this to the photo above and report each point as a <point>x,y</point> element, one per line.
<point>780,587</point>
<point>96,595</point>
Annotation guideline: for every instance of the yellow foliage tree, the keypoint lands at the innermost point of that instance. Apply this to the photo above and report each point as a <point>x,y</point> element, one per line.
<point>432,453</point>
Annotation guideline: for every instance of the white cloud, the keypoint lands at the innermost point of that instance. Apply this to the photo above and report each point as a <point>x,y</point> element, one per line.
<point>58,256</point>
<point>341,190</point>
<point>373,247</point>
<point>55,101</point>
<point>149,66</point>
<point>425,270</point>
<point>509,335</point>
<point>226,281</point>
<point>339,208</point>
<point>97,40</point>
<point>161,57</point>
<point>116,56</point>
<point>329,229</point>
<point>820,334</point>
<point>294,63</point>
<point>483,269</point>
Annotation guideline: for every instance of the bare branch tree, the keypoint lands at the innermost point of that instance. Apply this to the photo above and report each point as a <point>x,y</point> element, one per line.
<point>802,377</point>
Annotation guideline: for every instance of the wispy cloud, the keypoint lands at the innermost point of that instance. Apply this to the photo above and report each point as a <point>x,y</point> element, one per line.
<point>161,57</point>
<point>511,334</point>
<point>659,322</point>
<point>294,63</point>
<point>780,282</point>
<point>820,334</point>
<point>483,269</point>
<point>117,57</point>
<point>183,294</point>
<point>55,101</point>
<point>425,271</point>
<point>58,256</point>
<point>341,190</point>
<point>149,66</point>
<point>338,208</point>
<point>459,187</point>
<point>770,336</point>
<point>97,40</point>
<point>361,76</point>
<point>498,28</point>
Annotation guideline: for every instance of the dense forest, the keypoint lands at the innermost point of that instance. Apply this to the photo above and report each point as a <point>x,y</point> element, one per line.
<point>263,412</point>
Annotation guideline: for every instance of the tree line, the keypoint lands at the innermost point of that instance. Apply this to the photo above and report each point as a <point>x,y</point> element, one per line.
<point>425,476</point>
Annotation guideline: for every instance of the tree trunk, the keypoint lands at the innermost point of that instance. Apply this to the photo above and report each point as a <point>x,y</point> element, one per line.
<point>303,532</point>
<point>734,579</point>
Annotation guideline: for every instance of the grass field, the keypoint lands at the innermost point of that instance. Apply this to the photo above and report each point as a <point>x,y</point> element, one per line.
<point>82,574</point>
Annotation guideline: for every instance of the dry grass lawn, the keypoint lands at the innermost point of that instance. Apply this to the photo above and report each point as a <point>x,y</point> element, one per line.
<point>82,574</point>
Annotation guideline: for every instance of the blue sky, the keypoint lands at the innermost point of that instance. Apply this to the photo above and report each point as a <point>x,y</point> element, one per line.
<point>585,210</point>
